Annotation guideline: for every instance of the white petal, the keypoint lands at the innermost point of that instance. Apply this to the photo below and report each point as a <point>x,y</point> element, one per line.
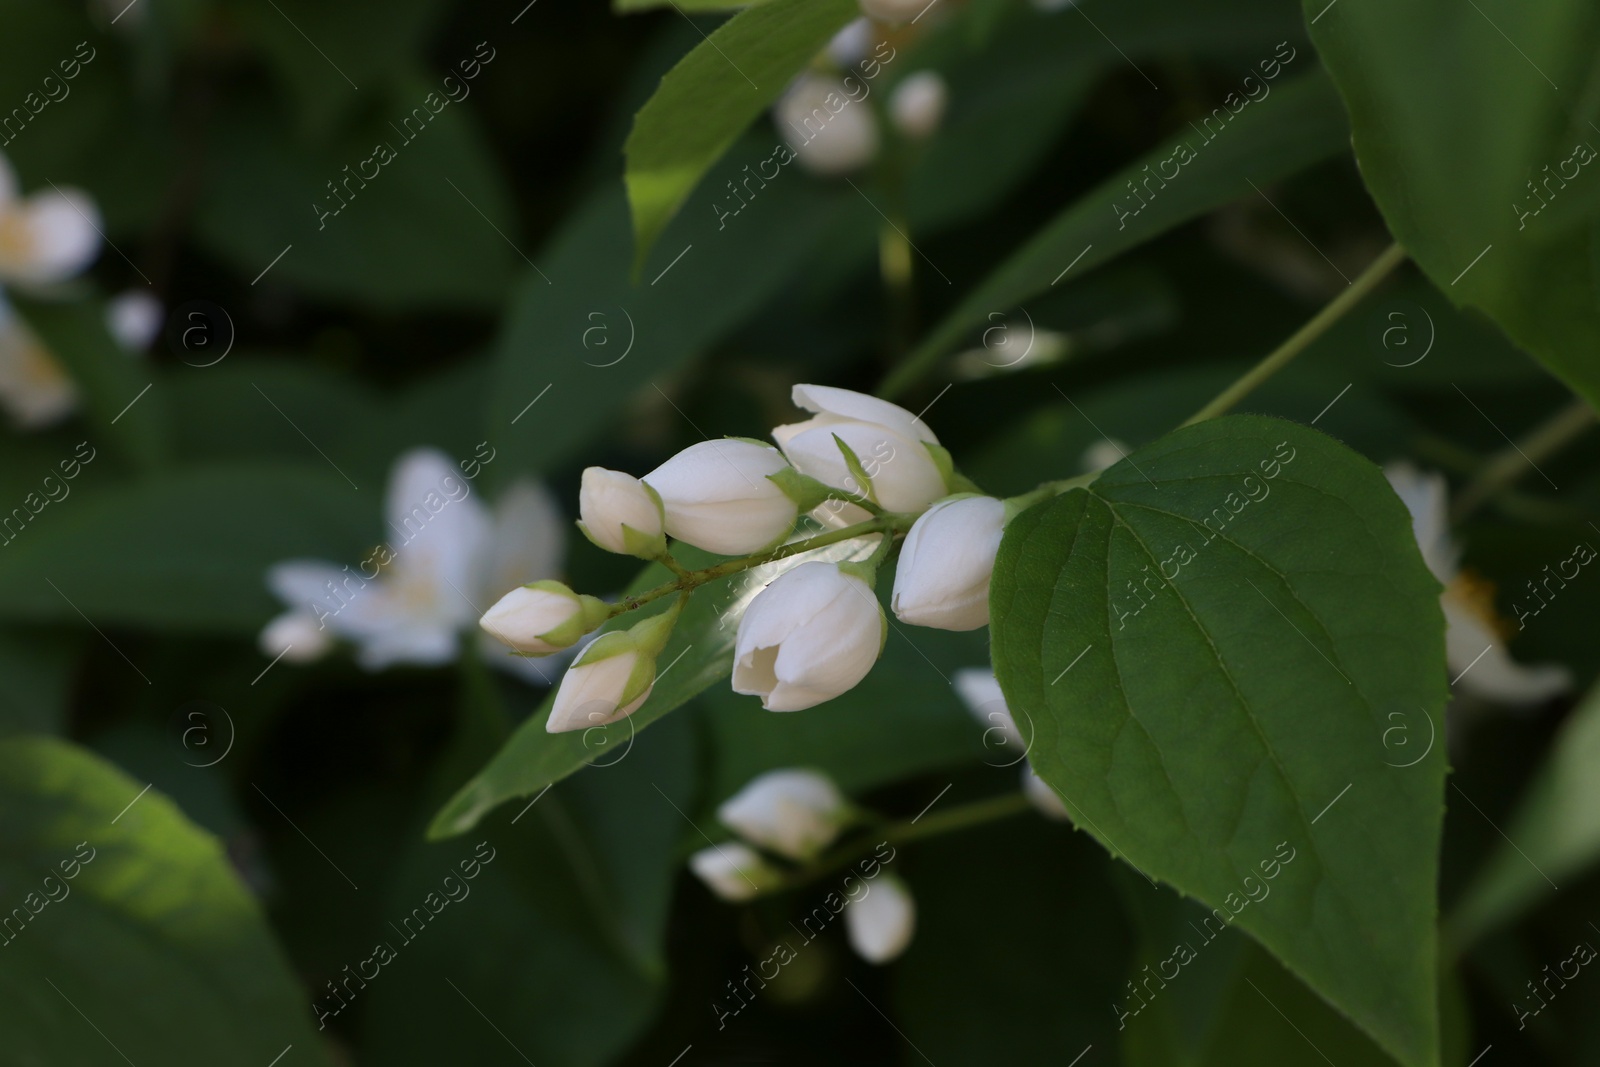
<point>295,637</point>
<point>1427,497</point>
<point>426,646</point>
<point>590,694</point>
<point>440,534</point>
<point>1471,646</point>
<point>860,407</point>
<point>49,237</point>
<point>792,811</point>
<point>733,871</point>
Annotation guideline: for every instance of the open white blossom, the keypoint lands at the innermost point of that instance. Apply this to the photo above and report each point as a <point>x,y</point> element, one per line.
<point>411,599</point>
<point>1474,649</point>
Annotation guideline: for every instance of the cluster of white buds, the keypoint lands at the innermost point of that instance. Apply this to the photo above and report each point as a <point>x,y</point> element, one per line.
<point>866,471</point>
<point>795,814</point>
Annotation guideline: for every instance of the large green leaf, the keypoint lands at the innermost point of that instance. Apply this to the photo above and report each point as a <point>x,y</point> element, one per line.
<point>1298,124</point>
<point>1556,831</point>
<point>187,550</point>
<point>707,100</point>
<point>699,654</point>
<point>1485,166</point>
<point>154,951</point>
<point>1210,641</point>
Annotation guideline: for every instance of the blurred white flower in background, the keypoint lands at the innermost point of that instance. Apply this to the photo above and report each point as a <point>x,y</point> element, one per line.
<point>852,44</point>
<point>881,923</point>
<point>449,556</point>
<point>917,104</point>
<point>831,132</point>
<point>1474,647</point>
<point>44,239</point>
<point>134,319</point>
<point>792,811</point>
<point>980,691</point>
<point>1102,455</point>
<point>35,390</point>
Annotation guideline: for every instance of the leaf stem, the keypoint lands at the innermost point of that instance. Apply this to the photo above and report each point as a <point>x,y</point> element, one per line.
<point>1301,339</point>
<point>1511,463</point>
<point>904,831</point>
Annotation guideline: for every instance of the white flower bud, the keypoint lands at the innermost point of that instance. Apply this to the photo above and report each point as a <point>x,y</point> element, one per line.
<point>881,923</point>
<point>891,446</point>
<point>851,44</point>
<point>134,319</point>
<point>1045,799</point>
<point>942,579</point>
<point>717,495</point>
<point>611,678</point>
<point>620,513</point>
<point>830,132</point>
<point>542,617</point>
<point>795,813</point>
<point>917,104</point>
<point>735,872</point>
<point>812,634</point>
<point>894,10</point>
<point>296,637</point>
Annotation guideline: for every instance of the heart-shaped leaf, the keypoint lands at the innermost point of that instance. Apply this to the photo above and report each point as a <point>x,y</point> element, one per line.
<point>1210,642</point>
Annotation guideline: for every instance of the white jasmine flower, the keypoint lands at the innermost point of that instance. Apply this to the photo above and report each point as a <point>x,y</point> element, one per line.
<point>831,132</point>
<point>621,514</point>
<point>612,677</point>
<point>881,923</point>
<point>411,598</point>
<point>811,635</point>
<point>890,445</point>
<point>917,104</point>
<point>795,813</point>
<point>735,872</point>
<point>717,495</point>
<point>35,390</point>
<point>946,562</point>
<point>47,237</point>
<point>1474,650</point>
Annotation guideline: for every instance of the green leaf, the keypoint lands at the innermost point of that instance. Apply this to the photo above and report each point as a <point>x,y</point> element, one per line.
<point>1204,996</point>
<point>708,99</point>
<point>154,948</point>
<point>185,551</point>
<point>38,672</point>
<point>111,381</point>
<point>1297,125</point>
<point>1556,830</point>
<point>1482,222</point>
<point>591,338</point>
<point>979,977</point>
<point>699,654</point>
<point>560,942</point>
<point>1250,607</point>
<point>431,227</point>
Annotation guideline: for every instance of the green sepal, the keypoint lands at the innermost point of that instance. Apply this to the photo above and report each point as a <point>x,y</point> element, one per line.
<point>804,490</point>
<point>650,635</point>
<point>857,471</point>
<point>947,468</point>
<point>592,611</point>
